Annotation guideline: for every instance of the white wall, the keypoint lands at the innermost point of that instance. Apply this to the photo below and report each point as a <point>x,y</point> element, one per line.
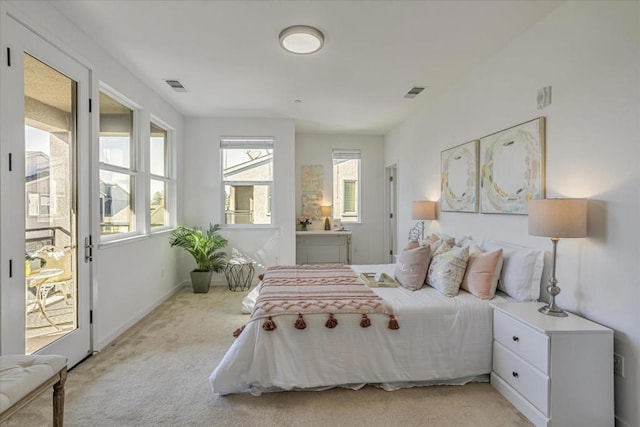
<point>202,189</point>
<point>129,279</point>
<point>367,237</point>
<point>589,52</point>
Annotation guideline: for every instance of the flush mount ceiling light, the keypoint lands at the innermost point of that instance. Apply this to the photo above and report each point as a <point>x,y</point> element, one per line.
<point>301,39</point>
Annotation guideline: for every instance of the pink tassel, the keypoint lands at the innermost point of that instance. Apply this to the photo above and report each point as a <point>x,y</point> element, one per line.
<point>332,322</point>
<point>365,322</point>
<point>269,324</point>
<point>300,323</point>
<point>238,331</point>
<point>393,323</point>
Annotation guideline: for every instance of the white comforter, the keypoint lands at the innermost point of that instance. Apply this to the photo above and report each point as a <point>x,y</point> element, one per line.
<point>441,340</point>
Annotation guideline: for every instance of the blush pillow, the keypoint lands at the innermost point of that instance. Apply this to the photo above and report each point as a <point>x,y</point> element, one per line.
<point>411,267</point>
<point>447,270</point>
<point>483,270</point>
<point>521,270</point>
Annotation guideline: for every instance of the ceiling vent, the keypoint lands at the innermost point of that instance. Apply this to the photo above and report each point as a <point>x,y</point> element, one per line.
<point>176,85</point>
<point>415,91</point>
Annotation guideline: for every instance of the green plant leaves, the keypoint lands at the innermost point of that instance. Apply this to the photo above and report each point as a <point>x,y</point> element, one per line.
<point>204,247</point>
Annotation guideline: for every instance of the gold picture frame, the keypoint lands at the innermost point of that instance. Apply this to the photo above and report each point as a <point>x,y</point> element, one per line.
<point>512,168</point>
<point>459,178</point>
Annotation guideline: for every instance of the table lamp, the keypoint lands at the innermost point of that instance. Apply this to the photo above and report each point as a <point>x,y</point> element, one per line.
<point>556,218</point>
<point>326,212</point>
<point>423,210</point>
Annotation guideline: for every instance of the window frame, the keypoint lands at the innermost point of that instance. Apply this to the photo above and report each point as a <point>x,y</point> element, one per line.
<point>255,142</point>
<point>169,178</point>
<point>133,171</point>
<point>341,214</point>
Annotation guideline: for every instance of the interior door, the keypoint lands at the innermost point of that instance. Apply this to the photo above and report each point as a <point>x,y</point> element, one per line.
<point>391,202</point>
<point>45,199</point>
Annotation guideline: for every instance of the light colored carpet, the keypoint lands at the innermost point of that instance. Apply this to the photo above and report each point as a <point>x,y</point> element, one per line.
<point>156,375</point>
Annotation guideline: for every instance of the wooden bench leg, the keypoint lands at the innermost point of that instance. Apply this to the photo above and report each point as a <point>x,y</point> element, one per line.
<point>58,399</point>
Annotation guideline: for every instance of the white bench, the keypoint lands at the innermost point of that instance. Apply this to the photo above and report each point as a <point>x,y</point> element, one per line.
<point>24,377</point>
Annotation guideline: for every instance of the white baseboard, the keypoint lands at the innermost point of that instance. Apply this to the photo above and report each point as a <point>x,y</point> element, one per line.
<point>97,346</point>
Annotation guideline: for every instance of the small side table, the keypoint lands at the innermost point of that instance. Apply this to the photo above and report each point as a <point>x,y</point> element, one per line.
<point>239,273</point>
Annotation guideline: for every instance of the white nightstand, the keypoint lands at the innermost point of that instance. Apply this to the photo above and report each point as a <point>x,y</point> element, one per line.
<point>558,371</point>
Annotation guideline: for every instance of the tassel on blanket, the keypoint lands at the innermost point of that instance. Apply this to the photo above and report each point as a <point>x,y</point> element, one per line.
<point>332,322</point>
<point>269,324</point>
<point>393,323</point>
<point>260,277</point>
<point>238,331</point>
<point>300,323</point>
<point>365,322</point>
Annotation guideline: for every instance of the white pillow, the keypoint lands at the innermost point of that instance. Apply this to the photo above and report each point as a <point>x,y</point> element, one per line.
<point>447,270</point>
<point>521,269</point>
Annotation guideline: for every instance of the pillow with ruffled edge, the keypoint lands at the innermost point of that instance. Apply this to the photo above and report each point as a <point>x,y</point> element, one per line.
<point>521,269</point>
<point>483,270</point>
<point>447,271</point>
<point>411,267</point>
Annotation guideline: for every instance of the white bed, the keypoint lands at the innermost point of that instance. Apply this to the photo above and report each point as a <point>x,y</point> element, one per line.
<point>441,340</point>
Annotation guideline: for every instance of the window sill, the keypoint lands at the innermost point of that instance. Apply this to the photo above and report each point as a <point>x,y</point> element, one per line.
<point>123,241</point>
<point>249,227</point>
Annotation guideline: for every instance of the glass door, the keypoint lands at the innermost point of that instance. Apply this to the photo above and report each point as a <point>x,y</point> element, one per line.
<point>50,224</point>
<point>52,157</point>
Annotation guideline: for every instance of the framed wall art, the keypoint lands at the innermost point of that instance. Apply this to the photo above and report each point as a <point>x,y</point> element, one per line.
<point>312,205</point>
<point>312,177</point>
<point>459,178</point>
<point>512,168</point>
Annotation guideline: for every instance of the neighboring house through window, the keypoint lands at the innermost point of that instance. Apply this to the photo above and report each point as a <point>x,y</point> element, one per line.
<point>346,185</point>
<point>247,178</point>
<point>117,167</point>
<point>161,183</point>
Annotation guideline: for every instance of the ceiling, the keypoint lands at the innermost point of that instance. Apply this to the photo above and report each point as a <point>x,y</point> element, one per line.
<point>226,53</point>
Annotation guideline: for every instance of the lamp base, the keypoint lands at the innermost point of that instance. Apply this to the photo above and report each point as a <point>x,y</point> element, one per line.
<point>551,311</point>
<point>327,224</point>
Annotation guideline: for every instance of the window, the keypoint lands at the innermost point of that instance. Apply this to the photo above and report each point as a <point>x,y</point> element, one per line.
<point>346,185</point>
<point>161,184</point>
<point>247,178</point>
<point>117,167</point>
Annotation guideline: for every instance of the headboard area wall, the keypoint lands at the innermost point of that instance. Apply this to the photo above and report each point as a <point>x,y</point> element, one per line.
<point>592,130</point>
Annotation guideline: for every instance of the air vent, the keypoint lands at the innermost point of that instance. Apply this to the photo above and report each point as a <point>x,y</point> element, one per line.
<point>415,91</point>
<point>176,85</point>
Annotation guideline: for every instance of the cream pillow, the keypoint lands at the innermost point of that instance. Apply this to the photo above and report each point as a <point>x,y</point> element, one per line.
<point>447,270</point>
<point>483,270</point>
<point>411,267</point>
<point>413,244</point>
<point>521,270</point>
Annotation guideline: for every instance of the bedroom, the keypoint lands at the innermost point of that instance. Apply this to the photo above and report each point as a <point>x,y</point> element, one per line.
<point>587,52</point>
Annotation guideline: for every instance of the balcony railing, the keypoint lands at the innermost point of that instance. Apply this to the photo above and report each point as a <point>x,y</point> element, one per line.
<point>35,238</point>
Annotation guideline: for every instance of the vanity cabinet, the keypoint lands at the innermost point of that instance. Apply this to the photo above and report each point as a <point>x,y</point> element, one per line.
<point>323,247</point>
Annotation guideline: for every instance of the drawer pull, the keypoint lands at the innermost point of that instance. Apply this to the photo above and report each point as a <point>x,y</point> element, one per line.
<point>515,374</point>
<point>516,339</point>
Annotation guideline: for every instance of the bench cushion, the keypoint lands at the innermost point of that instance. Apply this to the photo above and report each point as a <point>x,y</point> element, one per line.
<point>21,374</point>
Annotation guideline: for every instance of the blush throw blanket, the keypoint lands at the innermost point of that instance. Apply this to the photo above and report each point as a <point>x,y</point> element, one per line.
<point>316,289</point>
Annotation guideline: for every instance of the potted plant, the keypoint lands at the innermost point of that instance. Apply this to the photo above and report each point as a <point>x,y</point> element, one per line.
<point>204,247</point>
<point>304,221</point>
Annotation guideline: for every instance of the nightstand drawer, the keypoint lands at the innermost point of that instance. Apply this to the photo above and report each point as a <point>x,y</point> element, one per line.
<point>524,341</point>
<point>524,378</point>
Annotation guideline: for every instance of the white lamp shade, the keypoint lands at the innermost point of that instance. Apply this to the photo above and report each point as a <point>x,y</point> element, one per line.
<point>326,210</point>
<point>558,217</point>
<point>423,210</point>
